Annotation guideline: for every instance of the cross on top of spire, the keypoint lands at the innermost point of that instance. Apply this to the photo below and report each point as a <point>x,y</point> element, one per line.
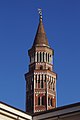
<point>40,13</point>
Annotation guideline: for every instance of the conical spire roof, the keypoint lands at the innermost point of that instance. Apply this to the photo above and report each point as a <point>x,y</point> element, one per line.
<point>40,38</point>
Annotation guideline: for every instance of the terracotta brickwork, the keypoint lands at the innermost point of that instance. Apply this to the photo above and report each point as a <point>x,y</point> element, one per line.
<point>41,78</point>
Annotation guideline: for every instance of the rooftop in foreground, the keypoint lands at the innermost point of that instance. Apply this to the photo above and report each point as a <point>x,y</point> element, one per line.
<point>59,112</point>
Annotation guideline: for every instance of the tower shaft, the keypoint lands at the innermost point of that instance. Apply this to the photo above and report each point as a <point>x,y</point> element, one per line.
<point>41,78</point>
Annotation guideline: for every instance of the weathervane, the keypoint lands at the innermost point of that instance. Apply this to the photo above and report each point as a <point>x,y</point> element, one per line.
<point>40,12</point>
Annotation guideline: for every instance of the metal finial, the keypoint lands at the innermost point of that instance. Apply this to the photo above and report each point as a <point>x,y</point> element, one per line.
<point>40,13</point>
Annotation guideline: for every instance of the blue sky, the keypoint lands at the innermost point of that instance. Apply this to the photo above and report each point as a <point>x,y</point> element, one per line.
<point>18,24</point>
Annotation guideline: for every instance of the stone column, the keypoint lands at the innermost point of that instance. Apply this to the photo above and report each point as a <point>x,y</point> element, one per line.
<point>36,57</point>
<point>41,56</point>
<point>37,80</point>
<point>43,81</point>
<point>40,79</point>
<point>47,57</point>
<point>34,81</point>
<point>44,57</point>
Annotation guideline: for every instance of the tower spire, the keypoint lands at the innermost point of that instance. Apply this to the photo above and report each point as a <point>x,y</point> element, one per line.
<point>40,37</point>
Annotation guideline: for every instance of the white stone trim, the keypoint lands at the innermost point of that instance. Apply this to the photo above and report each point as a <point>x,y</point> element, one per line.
<point>12,112</point>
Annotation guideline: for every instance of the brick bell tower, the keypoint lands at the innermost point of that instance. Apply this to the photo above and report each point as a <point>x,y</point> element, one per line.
<point>41,78</point>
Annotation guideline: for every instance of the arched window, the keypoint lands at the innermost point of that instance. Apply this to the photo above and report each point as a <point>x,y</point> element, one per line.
<point>51,102</point>
<point>43,100</point>
<point>41,83</point>
<point>50,59</point>
<point>49,85</point>
<point>46,57</point>
<point>39,78</point>
<point>49,68</point>
<point>45,78</point>
<point>41,67</point>
<point>53,87</point>
<point>38,100</point>
<point>36,78</point>
<point>43,56</point>
<point>37,56</point>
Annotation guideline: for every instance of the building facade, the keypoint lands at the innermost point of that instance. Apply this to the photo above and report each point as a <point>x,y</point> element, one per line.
<point>41,78</point>
<point>68,112</point>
